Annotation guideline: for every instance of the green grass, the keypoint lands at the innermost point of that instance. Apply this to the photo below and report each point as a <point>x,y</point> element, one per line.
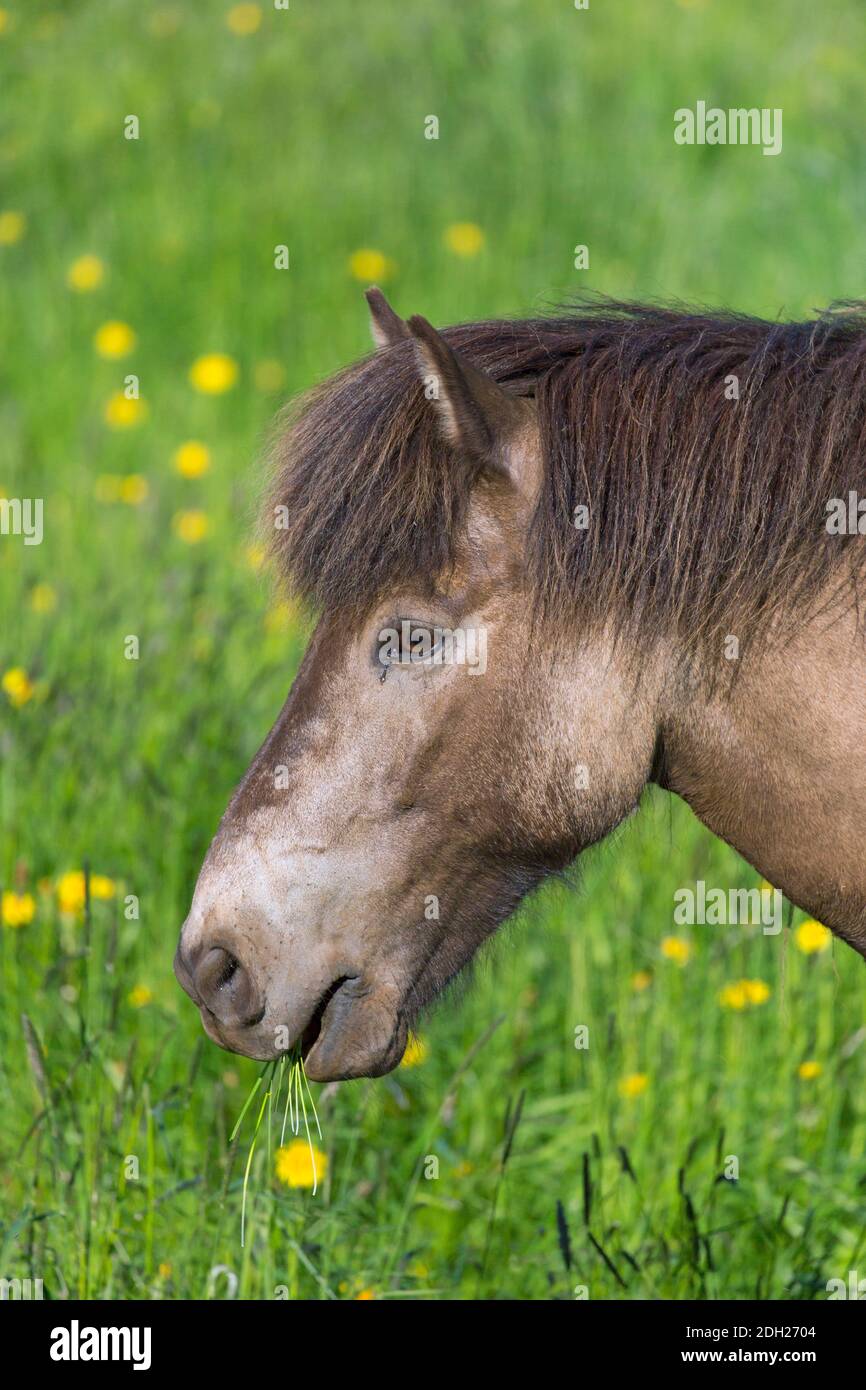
<point>117,1175</point>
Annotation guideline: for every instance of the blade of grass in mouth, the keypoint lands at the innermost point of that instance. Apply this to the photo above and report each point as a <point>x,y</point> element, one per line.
<point>249,1163</point>
<point>297,1094</point>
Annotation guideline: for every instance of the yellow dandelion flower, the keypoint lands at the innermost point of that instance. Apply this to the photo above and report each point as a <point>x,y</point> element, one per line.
<point>122,412</point>
<point>281,617</point>
<point>416,1052</point>
<point>17,909</point>
<point>71,891</point>
<point>18,686</point>
<point>368,265</point>
<point>255,556</point>
<point>744,994</point>
<point>85,274</point>
<point>268,375</point>
<point>757,992</point>
<point>191,526</point>
<point>294,1165</point>
<point>134,489</point>
<point>140,996</point>
<point>812,937</point>
<point>214,373</point>
<point>107,487</point>
<point>364,1296</point>
<point>633,1085</point>
<point>43,598</point>
<point>808,1071</point>
<point>464,1168</point>
<point>464,238</point>
<point>244,19</point>
<point>13,225</point>
<point>192,459</point>
<point>733,996</point>
<point>676,949</point>
<point>164,1269</point>
<point>641,980</point>
<point>114,339</point>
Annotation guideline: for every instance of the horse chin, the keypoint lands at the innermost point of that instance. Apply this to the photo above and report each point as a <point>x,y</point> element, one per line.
<point>358,1037</point>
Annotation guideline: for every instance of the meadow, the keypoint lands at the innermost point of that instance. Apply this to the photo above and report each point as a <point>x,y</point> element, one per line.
<point>710,1141</point>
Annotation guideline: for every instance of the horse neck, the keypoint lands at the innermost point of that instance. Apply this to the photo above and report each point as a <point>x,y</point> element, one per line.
<point>776,766</point>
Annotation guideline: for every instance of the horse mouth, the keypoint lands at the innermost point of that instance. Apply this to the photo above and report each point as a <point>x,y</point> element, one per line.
<point>354,1031</point>
<point>313,1029</point>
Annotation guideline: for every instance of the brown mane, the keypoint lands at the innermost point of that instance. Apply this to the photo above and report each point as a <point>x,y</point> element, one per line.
<point>707,514</point>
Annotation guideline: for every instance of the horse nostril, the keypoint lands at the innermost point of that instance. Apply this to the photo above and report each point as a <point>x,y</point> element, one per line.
<point>225,987</point>
<point>227,971</point>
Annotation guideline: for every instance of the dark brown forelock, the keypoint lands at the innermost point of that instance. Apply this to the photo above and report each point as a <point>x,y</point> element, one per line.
<point>706,514</point>
<point>373,497</point>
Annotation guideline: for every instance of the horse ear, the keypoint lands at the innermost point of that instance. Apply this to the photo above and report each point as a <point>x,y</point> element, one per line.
<point>386,327</point>
<point>477,415</point>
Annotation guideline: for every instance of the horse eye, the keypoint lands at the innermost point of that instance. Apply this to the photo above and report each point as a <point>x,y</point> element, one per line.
<point>408,642</point>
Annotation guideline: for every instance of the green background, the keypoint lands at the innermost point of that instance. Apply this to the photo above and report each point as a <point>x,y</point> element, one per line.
<point>556,129</point>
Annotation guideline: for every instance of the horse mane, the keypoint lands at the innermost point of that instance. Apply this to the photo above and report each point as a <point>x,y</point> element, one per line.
<point>707,512</point>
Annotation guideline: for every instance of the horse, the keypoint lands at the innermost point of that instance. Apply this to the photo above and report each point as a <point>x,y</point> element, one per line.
<point>634,504</point>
